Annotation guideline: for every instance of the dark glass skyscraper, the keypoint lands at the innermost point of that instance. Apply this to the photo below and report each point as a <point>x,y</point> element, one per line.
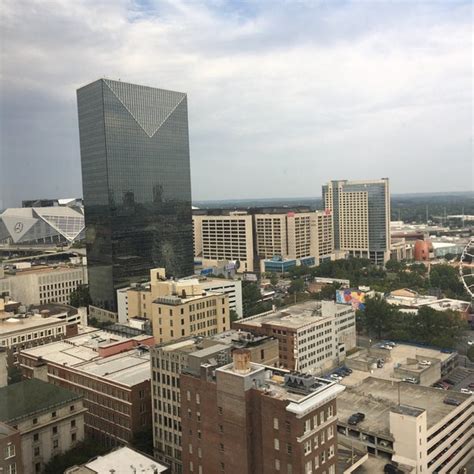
<point>136,183</point>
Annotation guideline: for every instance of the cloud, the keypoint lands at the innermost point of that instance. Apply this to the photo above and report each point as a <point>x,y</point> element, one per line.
<point>283,96</point>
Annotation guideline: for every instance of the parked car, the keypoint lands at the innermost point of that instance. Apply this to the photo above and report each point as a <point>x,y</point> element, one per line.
<point>410,380</point>
<point>448,381</point>
<point>356,418</point>
<point>380,363</point>
<point>386,346</point>
<point>335,377</point>
<point>466,390</point>
<point>391,469</point>
<point>471,386</point>
<point>452,401</point>
<point>424,362</point>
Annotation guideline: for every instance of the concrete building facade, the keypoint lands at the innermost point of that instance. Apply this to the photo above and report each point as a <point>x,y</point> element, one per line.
<point>49,419</point>
<point>225,237</point>
<point>45,284</point>
<point>243,418</point>
<point>313,336</point>
<point>361,217</point>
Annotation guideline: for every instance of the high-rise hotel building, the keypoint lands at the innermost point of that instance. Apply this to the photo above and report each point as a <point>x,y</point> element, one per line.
<point>136,183</point>
<point>361,217</point>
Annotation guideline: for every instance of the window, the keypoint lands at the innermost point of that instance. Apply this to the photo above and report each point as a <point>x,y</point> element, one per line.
<point>307,426</point>
<point>219,410</point>
<point>191,467</point>
<point>276,444</point>
<point>323,457</point>
<point>321,417</point>
<point>198,398</point>
<point>73,437</point>
<point>221,447</point>
<point>330,432</point>
<point>37,451</point>
<point>38,467</point>
<point>35,421</point>
<point>10,451</point>
<point>307,447</point>
<point>275,423</point>
<point>308,467</point>
<point>332,469</point>
<point>36,437</point>
<point>322,437</point>
<point>221,429</point>
<point>277,464</point>
<point>12,468</point>
<point>289,448</point>
<point>55,430</point>
<point>53,415</point>
<point>73,423</point>
<point>331,451</point>
<point>55,444</point>
<point>71,408</point>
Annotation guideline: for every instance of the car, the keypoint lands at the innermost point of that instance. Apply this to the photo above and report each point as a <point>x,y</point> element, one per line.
<point>470,343</point>
<point>386,346</point>
<point>466,390</point>
<point>335,377</point>
<point>356,418</point>
<point>471,386</point>
<point>448,381</point>
<point>424,362</point>
<point>389,343</point>
<point>410,380</point>
<point>452,401</point>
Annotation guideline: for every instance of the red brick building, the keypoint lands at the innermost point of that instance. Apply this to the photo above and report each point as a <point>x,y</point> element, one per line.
<point>245,418</point>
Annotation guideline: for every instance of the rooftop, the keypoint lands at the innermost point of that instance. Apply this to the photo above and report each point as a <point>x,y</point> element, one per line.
<point>123,461</point>
<point>377,397</point>
<point>292,317</point>
<point>81,352</point>
<point>12,324</point>
<point>24,399</point>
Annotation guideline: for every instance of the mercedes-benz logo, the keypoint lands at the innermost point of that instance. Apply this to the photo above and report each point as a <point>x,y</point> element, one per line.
<point>18,227</point>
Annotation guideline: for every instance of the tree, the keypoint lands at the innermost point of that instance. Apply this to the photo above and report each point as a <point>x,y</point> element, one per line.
<point>251,299</point>
<point>447,280</point>
<point>470,353</point>
<point>273,279</point>
<point>233,315</point>
<point>80,296</point>
<point>296,286</point>
<point>377,316</point>
<point>328,292</point>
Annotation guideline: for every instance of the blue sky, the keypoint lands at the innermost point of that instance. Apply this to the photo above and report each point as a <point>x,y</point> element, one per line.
<point>282,95</point>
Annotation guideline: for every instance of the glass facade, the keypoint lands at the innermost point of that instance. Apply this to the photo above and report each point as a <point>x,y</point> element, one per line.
<point>136,184</point>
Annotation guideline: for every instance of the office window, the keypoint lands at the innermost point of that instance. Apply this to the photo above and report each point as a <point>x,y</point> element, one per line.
<point>276,444</point>
<point>10,451</point>
<point>307,447</point>
<point>275,423</point>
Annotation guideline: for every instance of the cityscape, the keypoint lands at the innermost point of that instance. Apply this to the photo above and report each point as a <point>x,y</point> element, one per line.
<point>157,321</point>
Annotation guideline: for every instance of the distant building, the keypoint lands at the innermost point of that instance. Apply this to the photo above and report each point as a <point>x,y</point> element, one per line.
<point>225,237</point>
<point>361,217</point>
<point>41,225</point>
<point>48,418</point>
<point>111,372</point>
<point>313,336</point>
<point>68,202</point>
<point>42,284</point>
<point>122,460</point>
<point>232,288</point>
<point>22,331</point>
<point>136,182</point>
<point>245,418</point>
<point>423,429</point>
<point>168,361</point>
<point>179,308</point>
<point>303,237</point>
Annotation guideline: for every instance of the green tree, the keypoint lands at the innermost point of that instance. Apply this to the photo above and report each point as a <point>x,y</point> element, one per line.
<point>446,278</point>
<point>273,279</point>
<point>251,300</point>
<point>328,292</point>
<point>470,353</point>
<point>296,286</point>
<point>377,317</point>
<point>80,296</point>
<point>233,315</point>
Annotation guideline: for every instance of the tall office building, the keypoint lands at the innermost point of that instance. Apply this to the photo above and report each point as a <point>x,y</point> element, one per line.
<point>136,183</point>
<point>361,217</point>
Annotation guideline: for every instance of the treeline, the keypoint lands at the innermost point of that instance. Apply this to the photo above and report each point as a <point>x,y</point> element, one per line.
<point>381,320</point>
<point>442,280</point>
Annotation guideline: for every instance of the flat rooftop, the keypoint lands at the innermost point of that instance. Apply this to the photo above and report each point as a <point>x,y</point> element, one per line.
<point>24,399</point>
<point>293,317</point>
<point>123,461</point>
<point>12,324</point>
<point>377,397</point>
<point>81,352</point>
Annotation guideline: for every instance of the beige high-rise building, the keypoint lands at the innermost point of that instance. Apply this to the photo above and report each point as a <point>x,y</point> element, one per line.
<point>294,235</point>
<point>361,217</point>
<point>224,237</point>
<point>179,308</point>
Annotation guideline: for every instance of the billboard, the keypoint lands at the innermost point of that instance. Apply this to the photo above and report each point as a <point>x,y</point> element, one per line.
<point>351,296</point>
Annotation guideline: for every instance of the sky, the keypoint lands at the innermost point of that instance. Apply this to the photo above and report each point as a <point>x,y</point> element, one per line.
<point>282,95</point>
